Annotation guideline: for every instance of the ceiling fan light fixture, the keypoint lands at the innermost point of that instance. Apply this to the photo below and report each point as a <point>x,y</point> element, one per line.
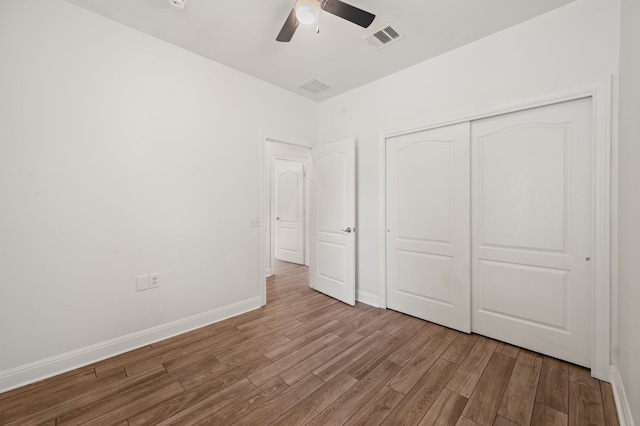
<point>307,11</point>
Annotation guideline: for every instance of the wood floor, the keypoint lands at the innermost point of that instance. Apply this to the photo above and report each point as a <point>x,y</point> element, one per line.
<point>307,359</point>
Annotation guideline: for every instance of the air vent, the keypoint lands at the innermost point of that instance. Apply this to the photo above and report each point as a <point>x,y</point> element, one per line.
<point>382,37</point>
<point>314,86</point>
<point>178,4</point>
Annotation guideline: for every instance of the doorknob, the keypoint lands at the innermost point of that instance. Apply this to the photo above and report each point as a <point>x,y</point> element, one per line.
<point>348,230</point>
<point>278,218</point>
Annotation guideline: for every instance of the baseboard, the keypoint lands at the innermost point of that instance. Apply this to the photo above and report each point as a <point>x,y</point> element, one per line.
<point>368,298</point>
<point>622,403</point>
<point>35,371</point>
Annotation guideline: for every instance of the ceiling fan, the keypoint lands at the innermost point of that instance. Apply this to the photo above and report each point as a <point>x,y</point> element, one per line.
<point>307,11</point>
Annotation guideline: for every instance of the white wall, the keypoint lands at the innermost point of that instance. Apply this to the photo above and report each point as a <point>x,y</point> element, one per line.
<point>571,45</point>
<point>629,213</point>
<point>122,155</point>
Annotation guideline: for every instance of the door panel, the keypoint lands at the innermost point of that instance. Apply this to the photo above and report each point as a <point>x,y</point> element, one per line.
<point>332,262</point>
<point>532,229</point>
<point>289,209</point>
<point>526,293</point>
<point>524,186</point>
<point>424,275</point>
<point>428,248</point>
<point>333,258</point>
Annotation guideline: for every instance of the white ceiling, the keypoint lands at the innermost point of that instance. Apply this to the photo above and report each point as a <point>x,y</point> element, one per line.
<point>241,34</point>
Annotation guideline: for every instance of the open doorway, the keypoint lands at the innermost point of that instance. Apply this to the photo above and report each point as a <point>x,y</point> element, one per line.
<point>287,279</point>
<point>287,204</point>
<point>329,214</point>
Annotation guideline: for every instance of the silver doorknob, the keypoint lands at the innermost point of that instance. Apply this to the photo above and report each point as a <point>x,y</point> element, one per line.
<point>348,230</point>
<point>278,218</point>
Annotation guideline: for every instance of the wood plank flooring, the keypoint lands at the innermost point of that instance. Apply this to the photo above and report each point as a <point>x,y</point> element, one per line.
<point>307,359</point>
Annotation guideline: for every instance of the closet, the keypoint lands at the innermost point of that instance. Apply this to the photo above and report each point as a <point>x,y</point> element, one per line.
<point>490,227</point>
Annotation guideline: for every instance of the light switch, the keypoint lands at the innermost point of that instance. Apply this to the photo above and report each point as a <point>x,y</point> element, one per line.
<point>142,282</point>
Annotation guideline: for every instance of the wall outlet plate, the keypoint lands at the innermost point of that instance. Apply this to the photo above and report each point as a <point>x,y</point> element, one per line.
<point>254,221</point>
<point>154,280</point>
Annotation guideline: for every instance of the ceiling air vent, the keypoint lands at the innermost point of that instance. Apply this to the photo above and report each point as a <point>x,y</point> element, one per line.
<point>382,37</point>
<point>314,86</point>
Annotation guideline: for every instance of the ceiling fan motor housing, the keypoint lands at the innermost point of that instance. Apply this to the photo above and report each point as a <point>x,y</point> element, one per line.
<point>307,12</point>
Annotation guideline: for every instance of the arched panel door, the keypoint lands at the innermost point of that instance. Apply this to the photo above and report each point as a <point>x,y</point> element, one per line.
<point>333,240</point>
<point>428,247</point>
<point>533,229</point>
<point>289,210</point>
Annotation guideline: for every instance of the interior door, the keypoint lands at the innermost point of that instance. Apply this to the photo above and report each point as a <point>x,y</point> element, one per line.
<point>532,229</point>
<point>289,211</point>
<point>428,247</point>
<point>333,255</point>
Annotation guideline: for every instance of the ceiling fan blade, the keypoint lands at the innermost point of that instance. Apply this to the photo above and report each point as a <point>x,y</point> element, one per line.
<point>348,12</point>
<point>289,27</point>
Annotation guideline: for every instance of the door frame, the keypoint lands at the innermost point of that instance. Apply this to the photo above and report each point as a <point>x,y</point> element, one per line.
<point>285,148</point>
<point>605,224</point>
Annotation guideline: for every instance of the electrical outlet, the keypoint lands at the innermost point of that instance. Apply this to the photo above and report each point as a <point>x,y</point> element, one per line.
<point>154,280</point>
<point>142,282</point>
<point>254,221</point>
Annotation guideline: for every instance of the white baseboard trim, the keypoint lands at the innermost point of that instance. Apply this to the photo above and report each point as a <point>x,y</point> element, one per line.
<point>622,403</point>
<point>35,371</point>
<point>368,298</point>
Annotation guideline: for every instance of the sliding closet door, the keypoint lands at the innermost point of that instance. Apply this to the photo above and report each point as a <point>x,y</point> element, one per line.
<point>428,247</point>
<point>532,229</point>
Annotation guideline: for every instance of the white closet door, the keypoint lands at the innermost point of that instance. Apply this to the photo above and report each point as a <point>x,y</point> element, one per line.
<point>428,247</point>
<point>532,229</point>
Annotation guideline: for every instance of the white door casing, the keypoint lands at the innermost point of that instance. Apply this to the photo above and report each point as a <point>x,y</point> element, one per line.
<point>532,189</point>
<point>289,211</point>
<point>333,259</point>
<point>428,246</point>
